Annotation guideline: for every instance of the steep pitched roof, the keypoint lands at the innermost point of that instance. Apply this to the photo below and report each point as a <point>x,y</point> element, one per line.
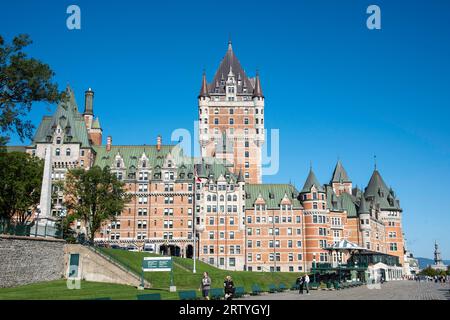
<point>208,168</point>
<point>363,207</point>
<point>312,181</point>
<point>379,193</point>
<point>231,63</point>
<point>258,90</point>
<point>204,88</point>
<point>339,174</point>
<point>272,194</point>
<point>69,119</point>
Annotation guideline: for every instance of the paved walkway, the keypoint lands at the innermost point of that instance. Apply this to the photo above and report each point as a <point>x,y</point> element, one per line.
<point>395,290</point>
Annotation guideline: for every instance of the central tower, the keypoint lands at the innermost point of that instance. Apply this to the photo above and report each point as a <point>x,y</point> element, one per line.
<point>231,115</point>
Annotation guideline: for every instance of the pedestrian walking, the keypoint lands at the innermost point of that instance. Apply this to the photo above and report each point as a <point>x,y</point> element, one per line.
<point>307,284</point>
<point>205,285</point>
<point>228,288</point>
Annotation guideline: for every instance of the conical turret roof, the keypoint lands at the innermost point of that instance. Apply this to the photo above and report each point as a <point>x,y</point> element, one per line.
<point>339,174</point>
<point>311,181</point>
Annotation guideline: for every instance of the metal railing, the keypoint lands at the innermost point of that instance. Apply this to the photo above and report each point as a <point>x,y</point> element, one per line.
<point>31,230</point>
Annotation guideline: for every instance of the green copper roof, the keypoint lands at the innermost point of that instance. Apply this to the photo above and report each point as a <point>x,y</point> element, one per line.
<point>311,181</point>
<point>96,124</point>
<point>131,156</point>
<point>272,194</point>
<point>347,204</point>
<point>69,119</point>
<point>339,174</point>
<point>378,192</point>
<point>14,149</point>
<point>363,207</point>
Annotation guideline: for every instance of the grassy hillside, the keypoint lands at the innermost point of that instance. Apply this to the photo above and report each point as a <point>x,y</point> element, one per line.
<point>185,279</point>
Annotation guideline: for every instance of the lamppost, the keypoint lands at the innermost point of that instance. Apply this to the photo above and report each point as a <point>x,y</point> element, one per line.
<point>339,268</point>
<point>314,267</point>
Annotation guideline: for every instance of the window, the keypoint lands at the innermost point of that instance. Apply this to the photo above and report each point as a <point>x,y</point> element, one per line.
<point>246,121</point>
<point>231,121</point>
<point>393,246</point>
<point>57,152</point>
<point>216,120</point>
<point>58,140</point>
<point>231,109</point>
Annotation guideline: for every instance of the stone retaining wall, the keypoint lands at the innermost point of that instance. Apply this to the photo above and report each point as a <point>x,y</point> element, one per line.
<point>25,260</point>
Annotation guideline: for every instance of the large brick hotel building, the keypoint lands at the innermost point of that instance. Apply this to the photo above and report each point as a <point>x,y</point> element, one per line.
<point>240,223</point>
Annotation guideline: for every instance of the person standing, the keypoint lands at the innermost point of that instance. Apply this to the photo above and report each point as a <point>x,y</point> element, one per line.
<point>206,285</point>
<point>301,282</point>
<point>228,288</point>
<point>307,283</point>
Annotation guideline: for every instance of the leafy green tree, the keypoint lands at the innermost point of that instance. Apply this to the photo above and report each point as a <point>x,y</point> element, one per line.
<point>20,187</point>
<point>94,197</point>
<point>23,81</point>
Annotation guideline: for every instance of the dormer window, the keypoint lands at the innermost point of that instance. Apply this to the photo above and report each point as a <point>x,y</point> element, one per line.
<point>118,164</point>
<point>144,164</point>
<point>58,140</point>
<point>231,90</point>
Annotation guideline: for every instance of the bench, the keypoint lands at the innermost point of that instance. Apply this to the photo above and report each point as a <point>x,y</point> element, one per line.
<point>272,288</point>
<point>187,295</point>
<point>150,296</point>
<point>239,292</point>
<point>216,293</point>
<point>282,287</point>
<point>256,289</point>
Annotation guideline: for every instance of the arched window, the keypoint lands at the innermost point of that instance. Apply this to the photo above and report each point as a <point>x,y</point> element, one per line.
<point>208,198</point>
<point>57,152</point>
<point>118,164</point>
<point>229,197</point>
<point>235,198</point>
<point>222,198</point>
<point>68,152</point>
<point>58,140</point>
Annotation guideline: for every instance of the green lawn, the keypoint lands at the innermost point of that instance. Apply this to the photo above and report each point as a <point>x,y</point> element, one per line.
<point>187,280</point>
<point>183,277</point>
<point>57,290</point>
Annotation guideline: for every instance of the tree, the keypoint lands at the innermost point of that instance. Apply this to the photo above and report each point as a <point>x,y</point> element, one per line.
<point>23,81</point>
<point>94,196</point>
<point>20,187</point>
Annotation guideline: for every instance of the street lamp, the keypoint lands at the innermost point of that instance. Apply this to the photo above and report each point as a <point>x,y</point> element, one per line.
<point>314,267</point>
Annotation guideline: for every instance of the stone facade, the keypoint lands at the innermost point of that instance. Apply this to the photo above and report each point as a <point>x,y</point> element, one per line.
<point>30,260</point>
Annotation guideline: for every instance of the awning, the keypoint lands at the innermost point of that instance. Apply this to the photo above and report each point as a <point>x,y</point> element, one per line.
<point>344,245</point>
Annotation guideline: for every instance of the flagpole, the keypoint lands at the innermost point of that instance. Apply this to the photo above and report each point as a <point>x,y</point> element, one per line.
<point>194,270</point>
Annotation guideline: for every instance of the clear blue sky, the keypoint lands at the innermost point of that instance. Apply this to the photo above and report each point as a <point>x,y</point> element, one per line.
<point>332,87</point>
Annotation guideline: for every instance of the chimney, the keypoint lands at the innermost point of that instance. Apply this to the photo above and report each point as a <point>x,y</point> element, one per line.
<point>158,143</point>
<point>89,102</point>
<point>108,143</point>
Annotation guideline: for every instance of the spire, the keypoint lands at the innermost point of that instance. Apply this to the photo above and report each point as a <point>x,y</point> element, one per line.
<point>363,205</point>
<point>204,88</point>
<point>230,44</point>
<point>311,181</point>
<point>258,91</point>
<point>339,174</point>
